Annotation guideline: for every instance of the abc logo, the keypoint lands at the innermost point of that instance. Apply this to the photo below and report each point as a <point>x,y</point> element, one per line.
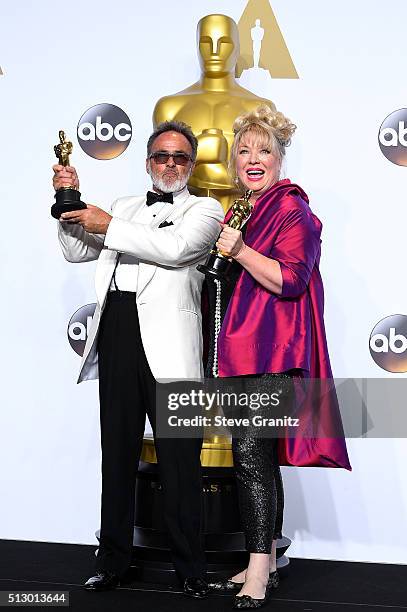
<point>104,131</point>
<point>388,343</point>
<point>393,137</point>
<point>78,327</point>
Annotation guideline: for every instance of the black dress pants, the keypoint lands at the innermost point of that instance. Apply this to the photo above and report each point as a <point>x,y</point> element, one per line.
<point>127,394</point>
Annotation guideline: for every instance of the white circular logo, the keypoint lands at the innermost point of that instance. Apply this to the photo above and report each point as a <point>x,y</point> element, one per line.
<point>104,131</point>
<point>393,137</point>
<point>79,326</point>
<point>388,343</point>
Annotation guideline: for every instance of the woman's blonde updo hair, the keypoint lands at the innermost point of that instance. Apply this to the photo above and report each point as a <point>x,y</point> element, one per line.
<point>273,129</point>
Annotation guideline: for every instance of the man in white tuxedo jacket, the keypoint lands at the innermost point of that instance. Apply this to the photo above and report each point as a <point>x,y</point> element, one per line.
<point>147,326</point>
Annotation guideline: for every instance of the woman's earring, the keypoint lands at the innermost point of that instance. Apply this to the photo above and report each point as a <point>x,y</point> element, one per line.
<point>236,180</point>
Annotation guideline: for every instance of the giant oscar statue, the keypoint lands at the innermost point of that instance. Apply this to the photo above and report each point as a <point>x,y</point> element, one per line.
<point>210,107</point>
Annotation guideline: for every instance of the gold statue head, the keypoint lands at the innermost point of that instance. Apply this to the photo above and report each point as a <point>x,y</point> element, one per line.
<point>218,44</point>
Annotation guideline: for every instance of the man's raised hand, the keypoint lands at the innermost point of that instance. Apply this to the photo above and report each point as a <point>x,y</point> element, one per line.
<point>64,176</point>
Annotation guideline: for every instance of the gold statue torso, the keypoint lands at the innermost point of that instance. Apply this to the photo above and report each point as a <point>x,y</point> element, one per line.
<point>210,107</point>
<point>63,150</point>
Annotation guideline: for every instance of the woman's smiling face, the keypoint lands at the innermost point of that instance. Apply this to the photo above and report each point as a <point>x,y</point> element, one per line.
<point>256,166</point>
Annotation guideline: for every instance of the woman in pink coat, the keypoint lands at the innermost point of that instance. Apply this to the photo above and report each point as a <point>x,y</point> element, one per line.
<point>271,326</point>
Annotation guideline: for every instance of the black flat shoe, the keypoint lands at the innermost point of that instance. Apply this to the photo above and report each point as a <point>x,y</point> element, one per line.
<point>196,587</point>
<point>102,581</point>
<point>245,602</point>
<point>229,586</point>
<point>225,586</point>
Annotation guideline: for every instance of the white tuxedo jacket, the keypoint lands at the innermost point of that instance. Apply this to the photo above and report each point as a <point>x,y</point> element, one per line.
<point>169,285</point>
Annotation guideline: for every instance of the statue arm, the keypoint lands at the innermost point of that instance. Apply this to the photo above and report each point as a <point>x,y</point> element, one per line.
<point>268,102</point>
<point>212,148</point>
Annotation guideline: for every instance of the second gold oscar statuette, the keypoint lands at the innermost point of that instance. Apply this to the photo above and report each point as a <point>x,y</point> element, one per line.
<point>219,265</point>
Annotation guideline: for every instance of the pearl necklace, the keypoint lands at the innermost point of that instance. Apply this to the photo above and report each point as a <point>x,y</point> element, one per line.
<point>217,327</point>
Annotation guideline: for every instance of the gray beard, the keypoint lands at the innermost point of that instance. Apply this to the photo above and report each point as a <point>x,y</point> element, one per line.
<point>165,186</point>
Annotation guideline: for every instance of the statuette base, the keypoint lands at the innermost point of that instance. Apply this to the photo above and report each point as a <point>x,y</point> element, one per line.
<point>67,200</point>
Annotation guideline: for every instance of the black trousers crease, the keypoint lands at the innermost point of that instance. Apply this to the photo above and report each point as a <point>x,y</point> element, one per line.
<point>127,395</point>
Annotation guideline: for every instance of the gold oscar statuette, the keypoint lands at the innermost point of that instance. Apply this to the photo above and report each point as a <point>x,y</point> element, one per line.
<point>66,198</point>
<point>218,265</point>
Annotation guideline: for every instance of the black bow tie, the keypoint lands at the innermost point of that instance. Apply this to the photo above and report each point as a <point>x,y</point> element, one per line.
<point>153,197</point>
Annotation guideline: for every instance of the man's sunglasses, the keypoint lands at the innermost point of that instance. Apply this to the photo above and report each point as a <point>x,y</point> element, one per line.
<point>162,157</point>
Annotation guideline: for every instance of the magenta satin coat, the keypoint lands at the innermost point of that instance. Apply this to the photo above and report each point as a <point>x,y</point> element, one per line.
<point>263,332</point>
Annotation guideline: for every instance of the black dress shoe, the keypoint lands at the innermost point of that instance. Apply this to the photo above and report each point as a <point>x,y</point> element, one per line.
<point>245,602</point>
<point>196,587</point>
<point>229,586</point>
<point>102,581</point>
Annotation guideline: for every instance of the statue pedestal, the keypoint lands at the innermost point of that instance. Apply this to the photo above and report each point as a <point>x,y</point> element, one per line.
<point>224,540</point>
